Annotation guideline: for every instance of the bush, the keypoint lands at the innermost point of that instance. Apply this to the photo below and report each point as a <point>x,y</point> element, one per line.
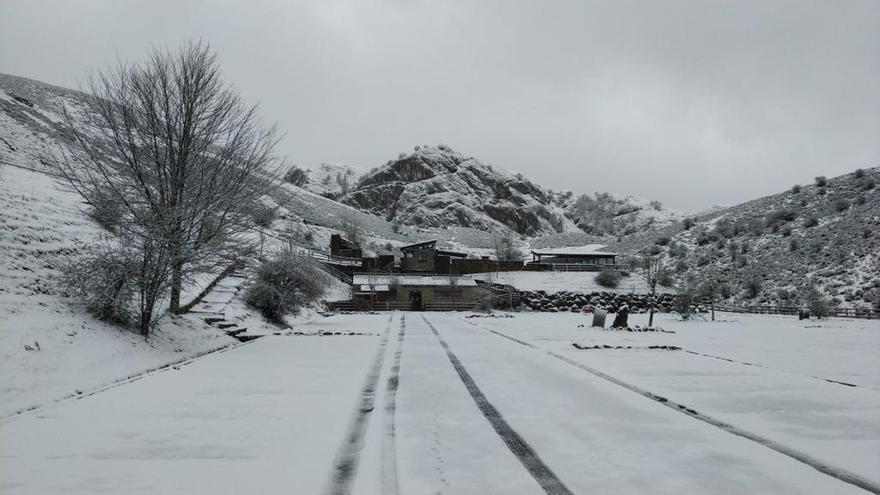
<point>753,286</point>
<point>781,216</point>
<point>687,223</point>
<point>662,241</point>
<point>654,250</point>
<point>860,199</point>
<point>817,304</point>
<point>296,176</point>
<point>811,221</point>
<point>683,304</point>
<point>284,284</point>
<point>608,278</point>
<point>666,280</point>
<point>795,189</point>
<point>867,184</point>
<point>859,173</point>
<point>821,191</point>
<point>103,279</point>
<point>264,215</point>
<point>821,181</point>
<point>840,204</point>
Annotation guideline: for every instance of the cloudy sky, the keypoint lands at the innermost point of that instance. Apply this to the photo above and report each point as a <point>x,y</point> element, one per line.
<point>693,103</point>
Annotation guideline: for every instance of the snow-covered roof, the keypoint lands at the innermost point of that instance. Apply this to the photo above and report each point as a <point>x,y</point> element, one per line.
<point>376,288</point>
<point>422,280</point>
<point>589,249</point>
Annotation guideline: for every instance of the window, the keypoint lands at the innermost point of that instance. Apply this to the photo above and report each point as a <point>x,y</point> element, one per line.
<point>423,257</point>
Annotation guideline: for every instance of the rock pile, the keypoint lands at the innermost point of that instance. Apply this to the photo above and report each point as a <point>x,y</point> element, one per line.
<point>573,301</point>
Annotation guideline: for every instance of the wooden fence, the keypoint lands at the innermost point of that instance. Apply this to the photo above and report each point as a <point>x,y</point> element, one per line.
<point>866,313</point>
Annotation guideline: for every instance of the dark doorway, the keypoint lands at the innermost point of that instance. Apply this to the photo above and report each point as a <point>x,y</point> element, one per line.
<point>415,300</point>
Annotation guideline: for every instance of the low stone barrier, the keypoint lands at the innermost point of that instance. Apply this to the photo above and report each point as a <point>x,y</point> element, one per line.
<point>574,301</point>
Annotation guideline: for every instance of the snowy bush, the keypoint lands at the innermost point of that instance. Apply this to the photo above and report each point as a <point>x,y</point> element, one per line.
<point>752,286</point>
<point>264,215</point>
<point>795,189</point>
<point>816,302</point>
<point>105,210</point>
<point>821,181</point>
<point>811,221</point>
<point>608,278</point>
<point>284,284</point>
<point>859,173</point>
<point>840,204</point>
<point>296,176</point>
<point>103,279</point>
<point>687,223</point>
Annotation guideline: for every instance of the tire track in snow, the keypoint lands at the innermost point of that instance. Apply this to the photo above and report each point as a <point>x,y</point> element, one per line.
<point>390,484</point>
<point>756,365</point>
<point>346,463</point>
<point>175,365</point>
<point>545,477</point>
<point>821,466</point>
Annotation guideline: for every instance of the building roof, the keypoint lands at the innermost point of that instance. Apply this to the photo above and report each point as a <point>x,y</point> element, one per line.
<point>419,245</point>
<point>588,250</point>
<point>409,280</point>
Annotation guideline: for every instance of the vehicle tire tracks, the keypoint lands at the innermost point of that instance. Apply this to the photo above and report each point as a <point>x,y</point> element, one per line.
<point>347,457</point>
<point>390,483</point>
<point>543,475</point>
<point>841,474</point>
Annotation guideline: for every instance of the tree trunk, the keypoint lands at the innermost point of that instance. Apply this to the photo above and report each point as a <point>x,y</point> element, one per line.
<point>712,305</point>
<point>651,317</point>
<point>176,285</point>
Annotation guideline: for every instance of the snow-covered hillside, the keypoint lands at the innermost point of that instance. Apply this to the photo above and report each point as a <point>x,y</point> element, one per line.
<point>332,180</point>
<point>769,249</point>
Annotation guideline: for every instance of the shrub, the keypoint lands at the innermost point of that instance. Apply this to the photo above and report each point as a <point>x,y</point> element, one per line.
<point>860,199</point>
<point>309,236</point>
<point>662,241</point>
<point>656,205</point>
<point>687,223</point>
<point>840,204</point>
<point>752,286</point>
<point>859,173</point>
<point>817,304</point>
<point>681,266</point>
<point>795,189</point>
<point>821,181</point>
<point>811,221</point>
<point>264,215</point>
<point>781,216</point>
<point>395,226</point>
<point>683,304</point>
<point>296,176</point>
<point>666,280</point>
<point>786,231</point>
<point>284,284</point>
<point>821,191</point>
<point>608,278</point>
<point>867,184</point>
<point>654,250</point>
<point>104,280</point>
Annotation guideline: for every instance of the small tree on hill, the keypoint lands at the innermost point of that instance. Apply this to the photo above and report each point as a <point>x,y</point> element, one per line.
<point>653,269</point>
<point>816,302</point>
<point>505,246</point>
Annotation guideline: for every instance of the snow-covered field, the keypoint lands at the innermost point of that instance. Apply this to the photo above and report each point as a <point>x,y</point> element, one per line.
<point>441,403</point>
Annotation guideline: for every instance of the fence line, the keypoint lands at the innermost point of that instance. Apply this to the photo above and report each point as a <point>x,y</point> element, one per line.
<point>866,313</point>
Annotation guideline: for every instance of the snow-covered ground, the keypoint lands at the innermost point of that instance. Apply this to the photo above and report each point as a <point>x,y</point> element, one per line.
<point>440,403</point>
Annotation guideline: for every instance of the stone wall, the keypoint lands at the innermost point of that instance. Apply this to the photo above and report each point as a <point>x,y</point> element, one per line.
<point>573,301</point>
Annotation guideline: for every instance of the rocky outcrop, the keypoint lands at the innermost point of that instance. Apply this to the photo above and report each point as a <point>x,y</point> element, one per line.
<point>438,186</point>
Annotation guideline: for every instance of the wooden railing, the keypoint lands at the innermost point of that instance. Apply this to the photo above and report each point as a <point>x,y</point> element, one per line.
<point>866,313</point>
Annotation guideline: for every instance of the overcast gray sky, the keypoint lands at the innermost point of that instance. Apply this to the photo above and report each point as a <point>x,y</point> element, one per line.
<point>693,103</point>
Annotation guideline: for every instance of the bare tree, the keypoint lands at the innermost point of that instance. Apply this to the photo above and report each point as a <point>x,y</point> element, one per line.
<point>653,267</point>
<point>351,226</point>
<point>709,287</point>
<point>178,152</point>
<point>505,246</point>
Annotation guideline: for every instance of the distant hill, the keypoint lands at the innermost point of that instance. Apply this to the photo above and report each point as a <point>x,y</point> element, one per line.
<point>768,250</point>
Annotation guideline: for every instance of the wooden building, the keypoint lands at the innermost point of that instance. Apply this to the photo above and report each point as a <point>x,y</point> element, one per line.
<point>414,292</point>
<point>425,257</point>
<point>589,257</point>
<point>344,248</point>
